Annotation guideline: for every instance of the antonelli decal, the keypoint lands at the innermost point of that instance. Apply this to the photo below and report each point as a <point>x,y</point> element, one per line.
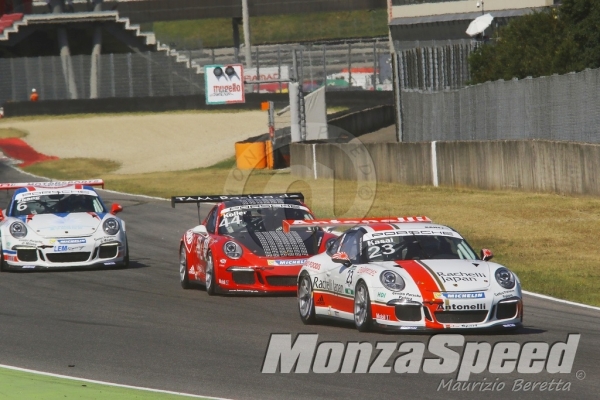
<point>224,84</point>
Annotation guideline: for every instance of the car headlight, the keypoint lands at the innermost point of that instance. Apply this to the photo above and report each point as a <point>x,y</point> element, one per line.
<point>18,229</point>
<point>392,281</point>
<point>111,226</point>
<point>505,278</point>
<point>233,250</point>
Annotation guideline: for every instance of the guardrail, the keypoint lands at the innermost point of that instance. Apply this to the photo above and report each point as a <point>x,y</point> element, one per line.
<point>536,166</point>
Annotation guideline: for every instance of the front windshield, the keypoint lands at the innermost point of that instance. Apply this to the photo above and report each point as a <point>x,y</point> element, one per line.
<point>262,218</point>
<point>56,203</point>
<point>418,247</point>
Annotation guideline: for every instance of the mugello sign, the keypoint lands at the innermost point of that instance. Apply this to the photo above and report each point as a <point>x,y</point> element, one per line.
<point>224,84</point>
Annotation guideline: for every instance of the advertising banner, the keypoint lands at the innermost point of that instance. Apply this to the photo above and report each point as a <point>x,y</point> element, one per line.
<point>224,84</point>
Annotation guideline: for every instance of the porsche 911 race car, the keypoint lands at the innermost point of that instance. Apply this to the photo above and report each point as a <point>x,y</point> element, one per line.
<point>241,248</point>
<point>51,225</point>
<point>406,274</point>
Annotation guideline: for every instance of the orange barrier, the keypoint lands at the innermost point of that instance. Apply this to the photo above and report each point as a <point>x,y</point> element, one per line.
<point>269,154</point>
<point>250,155</point>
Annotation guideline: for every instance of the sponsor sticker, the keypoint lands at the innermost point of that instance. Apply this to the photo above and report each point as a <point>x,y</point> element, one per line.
<point>284,263</point>
<point>461,307</point>
<point>60,249</point>
<point>71,241</point>
<point>458,296</point>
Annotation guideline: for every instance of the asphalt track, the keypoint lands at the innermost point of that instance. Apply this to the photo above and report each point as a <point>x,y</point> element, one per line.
<point>138,327</point>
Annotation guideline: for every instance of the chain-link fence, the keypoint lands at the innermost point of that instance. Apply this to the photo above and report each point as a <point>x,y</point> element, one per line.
<point>565,108</point>
<point>434,65</point>
<point>117,75</point>
<point>362,65</point>
<point>358,65</point>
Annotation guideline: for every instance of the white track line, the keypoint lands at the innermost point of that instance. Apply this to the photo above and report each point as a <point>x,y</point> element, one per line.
<point>571,303</point>
<point>109,384</point>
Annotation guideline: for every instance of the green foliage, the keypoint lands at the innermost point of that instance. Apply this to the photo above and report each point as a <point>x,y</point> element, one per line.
<point>527,46</point>
<point>275,29</point>
<point>559,40</point>
<point>582,43</point>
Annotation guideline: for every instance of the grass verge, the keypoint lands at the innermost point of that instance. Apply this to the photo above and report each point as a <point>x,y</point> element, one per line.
<point>545,238</point>
<point>274,29</point>
<point>80,168</point>
<point>23,385</point>
<point>6,133</point>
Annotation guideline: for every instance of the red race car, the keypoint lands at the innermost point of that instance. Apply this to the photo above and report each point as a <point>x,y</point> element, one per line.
<point>241,248</point>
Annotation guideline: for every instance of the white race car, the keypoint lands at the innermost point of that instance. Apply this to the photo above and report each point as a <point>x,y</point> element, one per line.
<point>407,274</point>
<point>60,224</point>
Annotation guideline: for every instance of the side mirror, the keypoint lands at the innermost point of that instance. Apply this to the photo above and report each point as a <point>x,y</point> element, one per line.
<point>200,230</point>
<point>341,258</point>
<point>486,255</point>
<point>116,208</point>
<point>1,215</point>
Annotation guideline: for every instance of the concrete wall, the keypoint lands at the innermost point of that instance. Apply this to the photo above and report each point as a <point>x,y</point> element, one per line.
<point>538,166</point>
<point>361,122</point>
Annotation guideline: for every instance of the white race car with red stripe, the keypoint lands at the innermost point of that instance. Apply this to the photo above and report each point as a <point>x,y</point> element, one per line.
<point>407,274</point>
<point>59,225</point>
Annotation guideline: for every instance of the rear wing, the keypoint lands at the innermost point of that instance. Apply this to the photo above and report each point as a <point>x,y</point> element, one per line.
<point>50,185</point>
<point>217,198</point>
<point>289,224</point>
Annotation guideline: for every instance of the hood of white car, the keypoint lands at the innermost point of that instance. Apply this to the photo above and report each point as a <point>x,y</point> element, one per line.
<point>64,225</point>
<point>460,275</point>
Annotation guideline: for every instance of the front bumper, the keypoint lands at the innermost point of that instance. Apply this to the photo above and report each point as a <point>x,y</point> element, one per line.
<point>502,314</point>
<point>257,279</point>
<point>66,253</point>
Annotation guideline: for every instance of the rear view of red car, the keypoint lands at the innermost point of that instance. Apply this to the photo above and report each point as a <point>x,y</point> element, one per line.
<point>240,247</point>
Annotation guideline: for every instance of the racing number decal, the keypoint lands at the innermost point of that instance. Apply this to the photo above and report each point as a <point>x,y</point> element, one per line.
<point>387,248</point>
<point>350,276</point>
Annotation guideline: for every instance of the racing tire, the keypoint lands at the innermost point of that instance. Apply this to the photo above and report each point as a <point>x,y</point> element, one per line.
<point>210,280</point>
<point>184,278</point>
<point>126,260</point>
<point>306,303</point>
<point>3,267</point>
<point>362,308</point>
<point>125,263</point>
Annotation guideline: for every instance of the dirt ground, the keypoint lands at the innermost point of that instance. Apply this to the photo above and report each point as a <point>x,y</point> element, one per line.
<point>145,143</point>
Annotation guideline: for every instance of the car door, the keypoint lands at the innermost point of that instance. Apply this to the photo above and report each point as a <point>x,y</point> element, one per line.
<point>342,274</point>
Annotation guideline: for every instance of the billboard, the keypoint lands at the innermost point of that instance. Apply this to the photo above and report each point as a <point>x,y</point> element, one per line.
<point>224,84</point>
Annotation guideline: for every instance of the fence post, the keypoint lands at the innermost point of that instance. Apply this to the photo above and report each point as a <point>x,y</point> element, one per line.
<point>257,68</point>
<point>42,88</point>
<point>130,74</point>
<point>112,75</point>
<point>349,64</point>
<point>149,69</point>
<point>374,65</point>
<point>301,69</point>
<point>54,80</point>
<point>324,65</point>
<point>396,62</point>
<point>27,83</point>
<point>279,66</point>
<point>82,84</point>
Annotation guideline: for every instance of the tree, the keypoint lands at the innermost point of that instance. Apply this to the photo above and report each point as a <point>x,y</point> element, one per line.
<point>527,46</point>
<point>581,46</point>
